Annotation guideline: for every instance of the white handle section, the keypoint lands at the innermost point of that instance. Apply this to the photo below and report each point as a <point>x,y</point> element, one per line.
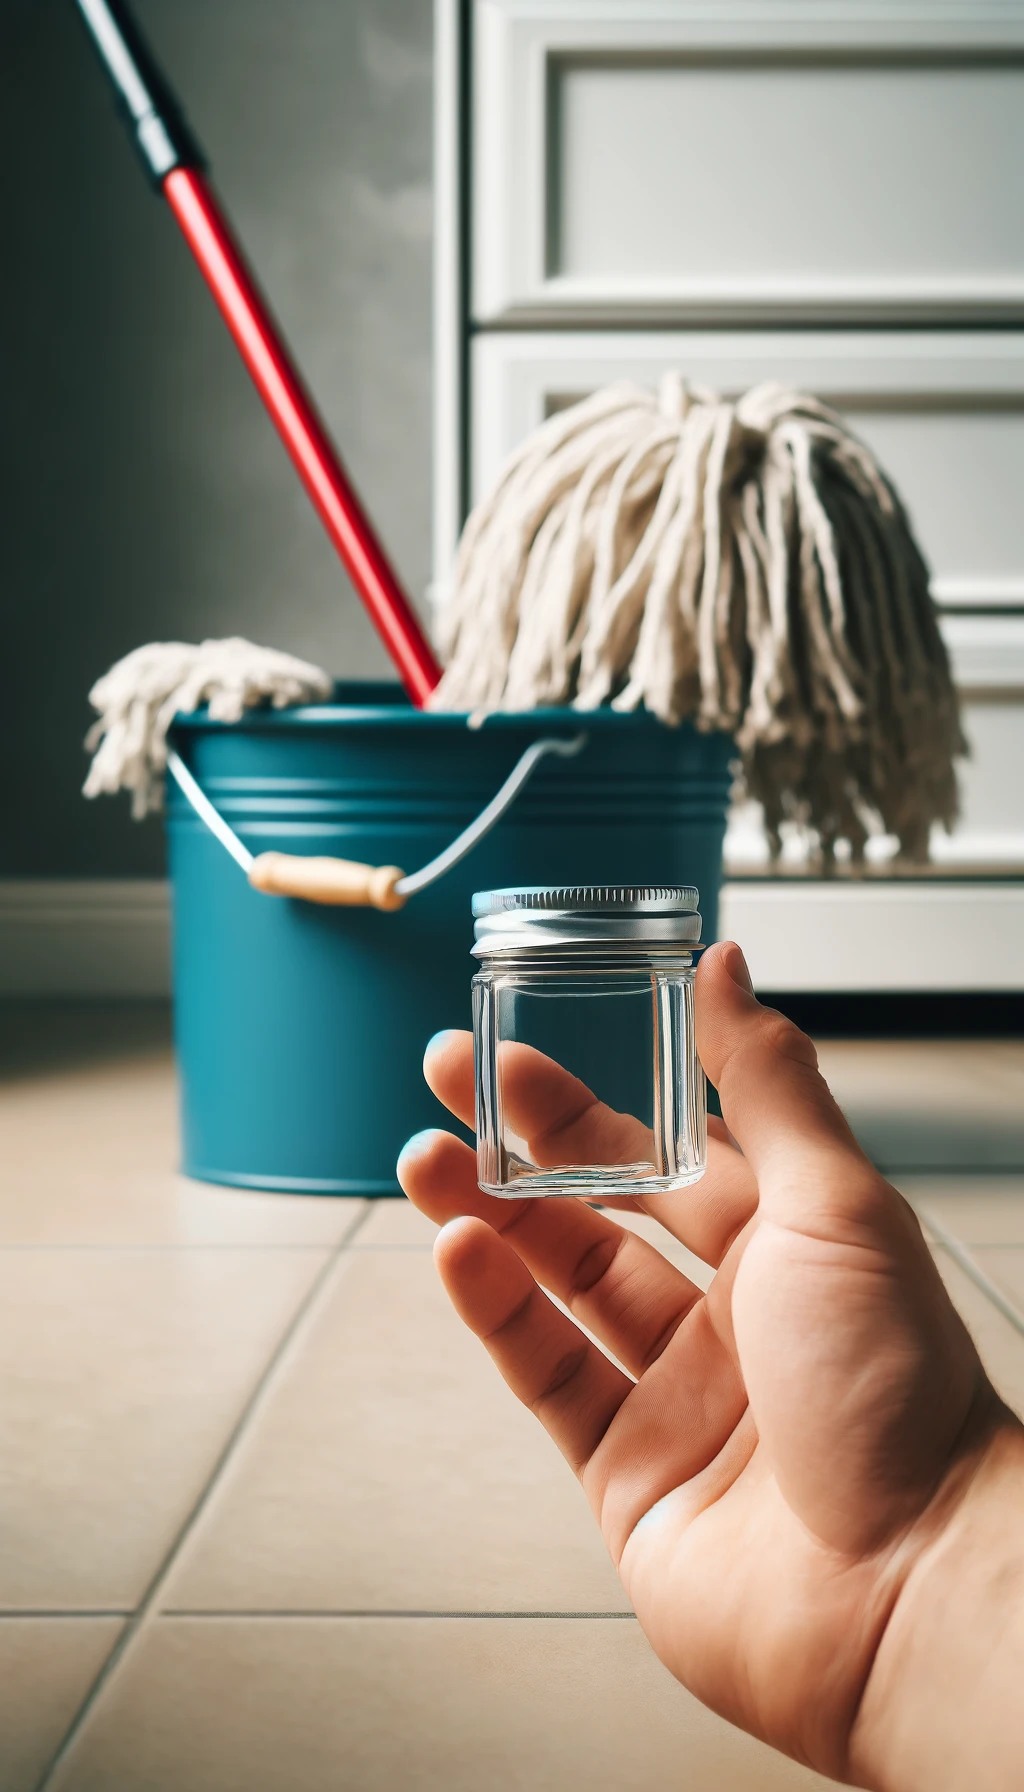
<point>489,817</point>
<point>206,812</point>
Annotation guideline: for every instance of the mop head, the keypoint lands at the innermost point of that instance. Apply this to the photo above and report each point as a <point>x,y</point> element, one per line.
<point>140,696</point>
<point>747,566</point>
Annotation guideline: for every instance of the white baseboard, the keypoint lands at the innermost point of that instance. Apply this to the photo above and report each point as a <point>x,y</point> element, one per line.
<point>899,936</point>
<point>82,938</point>
<point>110,939</point>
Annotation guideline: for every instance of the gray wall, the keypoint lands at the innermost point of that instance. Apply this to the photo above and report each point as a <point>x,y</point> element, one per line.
<point>145,494</point>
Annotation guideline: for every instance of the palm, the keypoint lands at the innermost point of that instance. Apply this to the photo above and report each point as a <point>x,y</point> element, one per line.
<point>741,1460</point>
<point>762,1577</point>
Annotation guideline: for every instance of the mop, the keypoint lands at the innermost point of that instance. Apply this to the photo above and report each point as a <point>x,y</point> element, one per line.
<point>140,696</point>
<point>745,565</point>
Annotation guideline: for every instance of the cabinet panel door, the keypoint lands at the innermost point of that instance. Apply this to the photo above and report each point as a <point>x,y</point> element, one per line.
<point>736,161</point>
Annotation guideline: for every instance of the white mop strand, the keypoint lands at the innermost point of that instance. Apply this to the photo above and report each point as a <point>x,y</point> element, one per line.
<point>140,696</point>
<point>745,565</point>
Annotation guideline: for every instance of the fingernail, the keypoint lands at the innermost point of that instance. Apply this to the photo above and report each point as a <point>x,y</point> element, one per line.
<point>439,1041</point>
<point>418,1144</point>
<point>736,965</point>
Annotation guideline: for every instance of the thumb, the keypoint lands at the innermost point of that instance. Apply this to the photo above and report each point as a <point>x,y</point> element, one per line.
<point>775,1102</point>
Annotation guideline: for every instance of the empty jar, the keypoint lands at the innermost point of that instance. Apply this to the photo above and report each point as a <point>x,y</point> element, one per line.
<point>587,1076</point>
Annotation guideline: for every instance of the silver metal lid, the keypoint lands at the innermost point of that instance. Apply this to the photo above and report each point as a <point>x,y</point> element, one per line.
<point>586,914</point>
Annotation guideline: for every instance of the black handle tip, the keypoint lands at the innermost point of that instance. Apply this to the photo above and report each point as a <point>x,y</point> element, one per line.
<point>146,99</point>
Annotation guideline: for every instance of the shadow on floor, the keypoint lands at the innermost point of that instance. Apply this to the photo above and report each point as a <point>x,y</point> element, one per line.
<point>41,1038</point>
<point>898,1129</point>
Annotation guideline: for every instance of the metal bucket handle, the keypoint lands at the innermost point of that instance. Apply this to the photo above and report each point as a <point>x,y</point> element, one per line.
<point>346,882</point>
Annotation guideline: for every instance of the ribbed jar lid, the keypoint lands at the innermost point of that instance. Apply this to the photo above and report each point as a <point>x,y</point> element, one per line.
<point>585,914</point>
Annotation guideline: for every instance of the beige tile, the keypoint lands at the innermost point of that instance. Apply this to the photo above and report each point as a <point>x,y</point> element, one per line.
<point>976,1210</point>
<point>46,1668</point>
<point>429,1705</point>
<point>1006,1063</point>
<point>123,1373</point>
<point>928,1103</point>
<point>395,1225</point>
<point>399,1225</point>
<point>887,1071</point>
<point>90,1151</point>
<point>1000,1344</point>
<point>1004,1265</point>
<point>391,1470</point>
<point>666,1242</point>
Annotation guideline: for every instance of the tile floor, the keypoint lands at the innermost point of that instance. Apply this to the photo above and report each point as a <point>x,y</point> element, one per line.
<point>267,1519</point>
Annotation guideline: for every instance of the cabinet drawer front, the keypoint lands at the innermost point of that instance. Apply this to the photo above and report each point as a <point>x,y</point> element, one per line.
<point>943,412</point>
<point>945,415</point>
<point>643,160</point>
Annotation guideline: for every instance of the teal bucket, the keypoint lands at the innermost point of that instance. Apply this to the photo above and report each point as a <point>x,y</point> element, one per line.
<point>299,1028</point>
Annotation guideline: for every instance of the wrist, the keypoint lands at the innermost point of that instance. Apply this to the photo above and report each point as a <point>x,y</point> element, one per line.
<point>943,1705</point>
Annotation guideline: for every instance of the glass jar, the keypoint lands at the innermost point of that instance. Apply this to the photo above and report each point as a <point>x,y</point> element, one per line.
<point>587,1076</point>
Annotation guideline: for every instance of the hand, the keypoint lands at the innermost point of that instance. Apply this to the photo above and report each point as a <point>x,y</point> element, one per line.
<point>790,1467</point>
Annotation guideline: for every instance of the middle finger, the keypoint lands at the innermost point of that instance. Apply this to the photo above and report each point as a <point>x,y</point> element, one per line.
<point>615,1283</point>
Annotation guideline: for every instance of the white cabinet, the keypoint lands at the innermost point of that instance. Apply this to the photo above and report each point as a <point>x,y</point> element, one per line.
<point>746,158</point>
<point>829,193</point>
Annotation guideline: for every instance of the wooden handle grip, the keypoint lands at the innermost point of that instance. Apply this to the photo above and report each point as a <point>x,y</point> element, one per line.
<point>343,882</point>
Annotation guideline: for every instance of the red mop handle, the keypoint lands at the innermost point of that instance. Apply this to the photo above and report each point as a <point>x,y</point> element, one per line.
<point>301,429</point>
<point>175,162</point>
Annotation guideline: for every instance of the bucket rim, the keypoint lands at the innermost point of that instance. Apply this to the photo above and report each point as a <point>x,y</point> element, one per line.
<point>374,703</point>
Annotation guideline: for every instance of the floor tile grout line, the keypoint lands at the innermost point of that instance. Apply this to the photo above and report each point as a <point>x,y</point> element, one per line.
<point>349,1241</point>
<point>357,1614</point>
<point>167,1250</point>
<point>977,1172</point>
<point>972,1268</point>
<point>11,1614</point>
<point>407,1250</point>
<point>300,1319</point>
<point>955,1173</point>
